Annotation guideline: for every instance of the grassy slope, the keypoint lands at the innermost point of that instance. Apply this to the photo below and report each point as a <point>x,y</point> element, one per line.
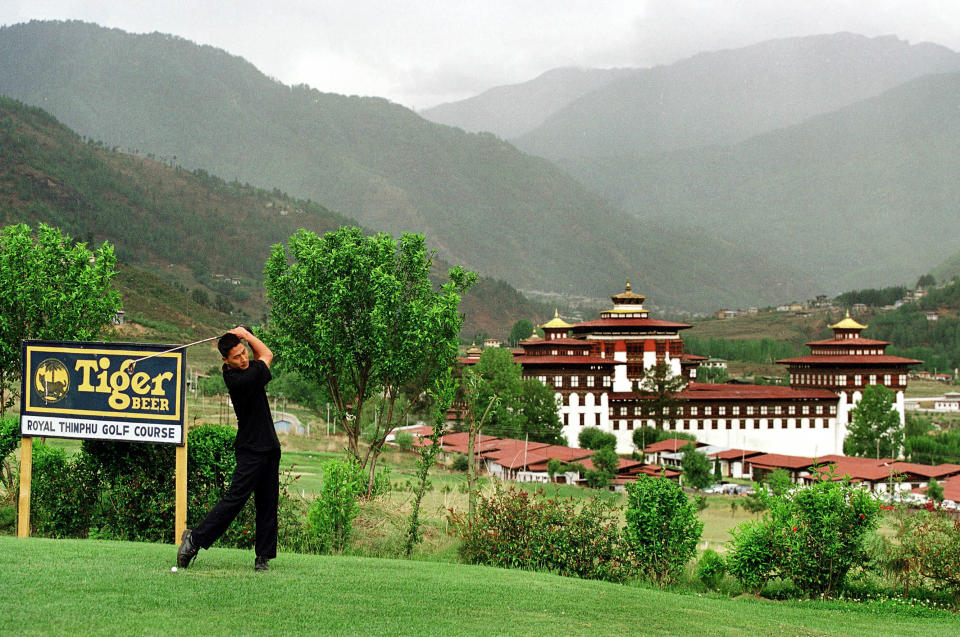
<point>95,587</point>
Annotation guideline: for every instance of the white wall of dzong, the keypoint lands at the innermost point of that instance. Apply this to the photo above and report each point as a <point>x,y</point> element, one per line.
<point>799,435</point>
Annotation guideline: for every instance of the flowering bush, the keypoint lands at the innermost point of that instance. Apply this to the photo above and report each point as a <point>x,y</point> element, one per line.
<point>812,535</point>
<point>930,548</point>
<point>516,529</point>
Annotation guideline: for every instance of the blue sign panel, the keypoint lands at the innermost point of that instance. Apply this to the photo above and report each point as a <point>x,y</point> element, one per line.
<point>103,391</point>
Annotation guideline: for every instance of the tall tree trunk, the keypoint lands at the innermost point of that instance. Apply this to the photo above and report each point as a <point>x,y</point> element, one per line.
<point>471,474</point>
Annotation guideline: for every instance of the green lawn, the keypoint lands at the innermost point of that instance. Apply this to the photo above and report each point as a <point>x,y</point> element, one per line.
<point>87,587</point>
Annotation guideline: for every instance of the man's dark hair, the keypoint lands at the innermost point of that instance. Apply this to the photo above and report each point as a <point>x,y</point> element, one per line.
<point>226,343</point>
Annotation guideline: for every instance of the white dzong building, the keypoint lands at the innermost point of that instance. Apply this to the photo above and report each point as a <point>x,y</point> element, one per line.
<point>594,367</point>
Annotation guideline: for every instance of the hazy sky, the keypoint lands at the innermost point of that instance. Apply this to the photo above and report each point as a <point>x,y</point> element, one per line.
<point>424,52</point>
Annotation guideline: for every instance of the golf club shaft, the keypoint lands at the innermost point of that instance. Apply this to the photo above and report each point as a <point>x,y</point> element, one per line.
<point>172,349</point>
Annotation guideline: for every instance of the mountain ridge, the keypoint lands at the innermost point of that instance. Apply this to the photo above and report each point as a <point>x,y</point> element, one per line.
<point>480,202</point>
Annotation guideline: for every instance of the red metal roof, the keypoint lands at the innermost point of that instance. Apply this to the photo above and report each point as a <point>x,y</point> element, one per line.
<point>855,469</point>
<point>705,391</point>
<point>735,454</point>
<point>926,471</point>
<point>671,444</point>
<point>951,489</point>
<point>780,461</point>
<point>624,464</point>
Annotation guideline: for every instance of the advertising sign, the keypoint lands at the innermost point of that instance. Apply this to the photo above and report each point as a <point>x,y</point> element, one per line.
<point>99,391</point>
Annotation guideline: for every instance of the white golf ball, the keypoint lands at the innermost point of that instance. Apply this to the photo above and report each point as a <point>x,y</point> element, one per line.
<point>173,569</point>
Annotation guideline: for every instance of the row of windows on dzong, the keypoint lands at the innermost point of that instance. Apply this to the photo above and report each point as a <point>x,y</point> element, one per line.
<point>574,381</point>
<point>734,410</point>
<point>733,423</point>
<point>833,351</point>
<point>840,380</point>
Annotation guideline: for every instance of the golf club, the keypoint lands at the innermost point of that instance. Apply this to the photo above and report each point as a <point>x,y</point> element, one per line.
<point>130,367</point>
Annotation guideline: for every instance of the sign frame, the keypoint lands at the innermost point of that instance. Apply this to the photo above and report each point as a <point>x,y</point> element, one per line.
<point>102,409</point>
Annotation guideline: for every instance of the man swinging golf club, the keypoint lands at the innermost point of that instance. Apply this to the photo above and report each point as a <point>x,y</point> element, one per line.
<point>257,451</point>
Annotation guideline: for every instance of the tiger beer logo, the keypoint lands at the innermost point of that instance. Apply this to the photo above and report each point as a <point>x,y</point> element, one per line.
<point>52,381</point>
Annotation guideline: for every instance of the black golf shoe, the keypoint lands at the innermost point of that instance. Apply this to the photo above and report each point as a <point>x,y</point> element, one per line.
<point>261,564</point>
<point>188,550</point>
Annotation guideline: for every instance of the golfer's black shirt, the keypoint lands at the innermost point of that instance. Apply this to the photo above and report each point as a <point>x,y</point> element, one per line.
<point>255,431</point>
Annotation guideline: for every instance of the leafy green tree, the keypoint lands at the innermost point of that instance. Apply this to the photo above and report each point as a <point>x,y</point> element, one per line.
<point>442,395</point>
<point>554,467</point>
<point>606,462</point>
<point>594,438</point>
<point>696,468</point>
<point>359,315</point>
<point>538,412</point>
<point>935,490</point>
<point>717,375</point>
<point>661,389</point>
<point>643,436</point>
<point>717,474</point>
<point>662,528</point>
<point>524,407</point>
<point>779,481</point>
<point>520,331</point>
<point>331,514</point>
<point>874,429</point>
<point>200,297</point>
<point>50,288</point>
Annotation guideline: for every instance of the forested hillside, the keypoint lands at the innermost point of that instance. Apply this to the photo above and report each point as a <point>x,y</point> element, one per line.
<point>862,197</point>
<point>207,237</point>
<point>479,201</point>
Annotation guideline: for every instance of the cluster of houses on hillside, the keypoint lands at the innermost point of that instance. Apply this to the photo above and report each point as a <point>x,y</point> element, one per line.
<point>822,303</point>
<point>523,461</point>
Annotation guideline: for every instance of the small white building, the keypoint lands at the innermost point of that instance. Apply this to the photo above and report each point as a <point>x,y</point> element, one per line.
<point>949,402</point>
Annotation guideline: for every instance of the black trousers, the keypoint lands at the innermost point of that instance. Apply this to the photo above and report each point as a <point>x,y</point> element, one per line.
<point>257,474</point>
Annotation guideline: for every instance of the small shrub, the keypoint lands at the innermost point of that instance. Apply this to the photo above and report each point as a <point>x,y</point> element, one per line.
<point>516,529</point>
<point>63,493</point>
<point>137,482</point>
<point>403,440</point>
<point>711,568</point>
<point>460,462</point>
<point>821,531</point>
<point>330,516</point>
<point>595,438</point>
<point>753,556</point>
<point>662,528</point>
<point>8,515</point>
<point>930,546</point>
<point>9,436</point>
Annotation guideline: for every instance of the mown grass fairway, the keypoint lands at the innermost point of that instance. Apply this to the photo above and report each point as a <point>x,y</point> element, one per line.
<point>88,587</point>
